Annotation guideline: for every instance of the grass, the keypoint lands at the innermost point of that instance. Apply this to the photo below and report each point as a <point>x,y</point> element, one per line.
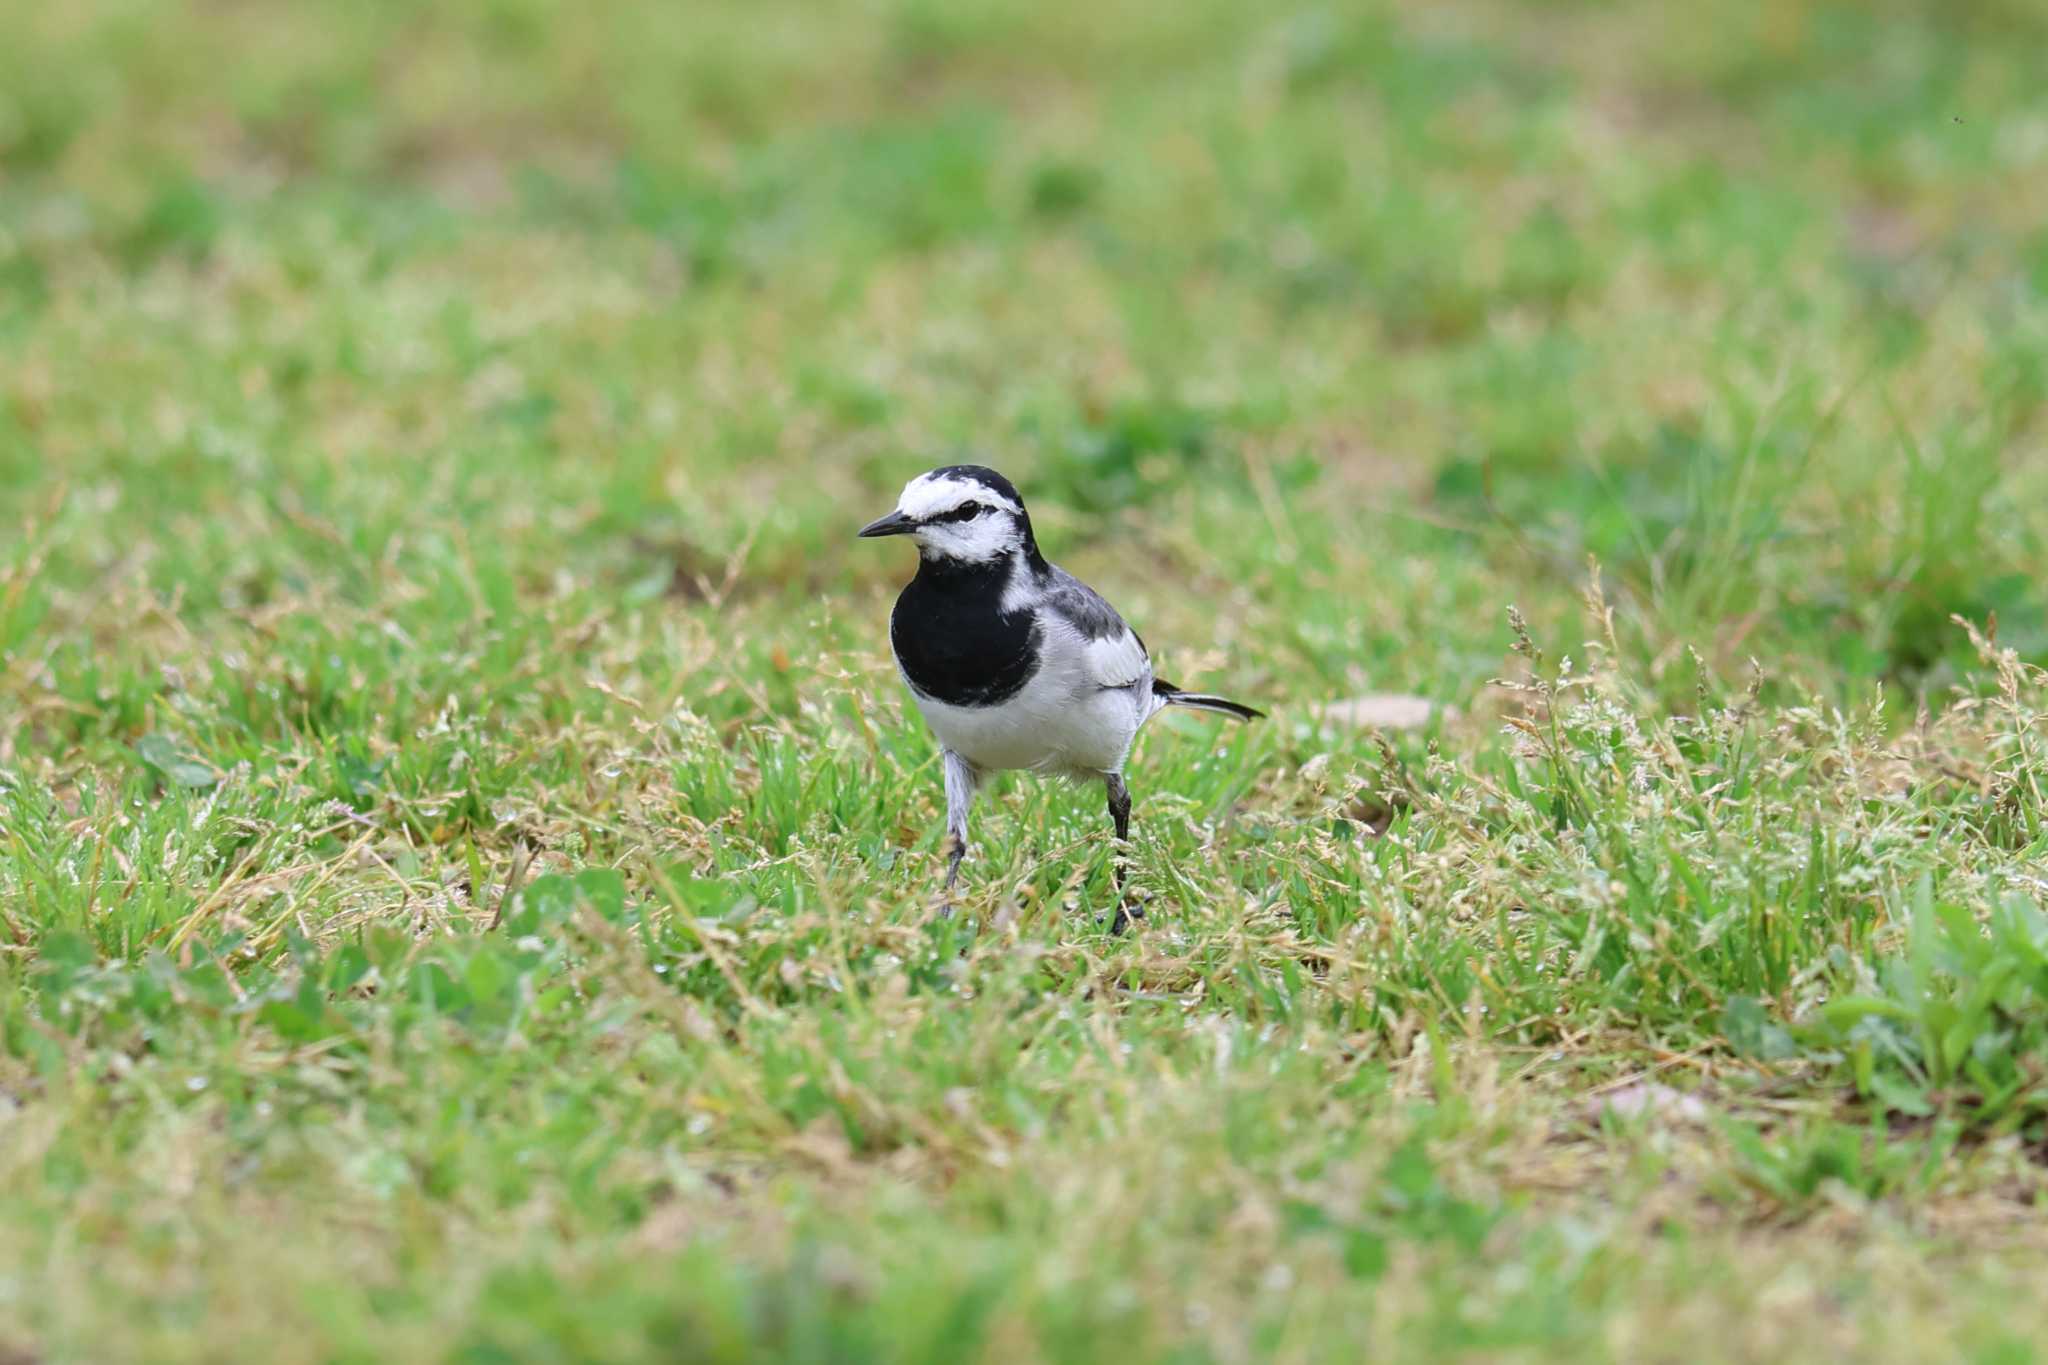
<point>466,864</point>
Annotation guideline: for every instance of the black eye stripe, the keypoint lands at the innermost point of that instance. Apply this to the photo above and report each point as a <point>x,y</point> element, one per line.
<point>966,511</point>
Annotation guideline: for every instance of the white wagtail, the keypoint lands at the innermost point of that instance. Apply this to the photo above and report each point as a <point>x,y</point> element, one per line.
<point>1015,662</point>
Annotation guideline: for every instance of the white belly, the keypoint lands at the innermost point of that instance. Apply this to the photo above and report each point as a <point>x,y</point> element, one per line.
<point>1057,722</point>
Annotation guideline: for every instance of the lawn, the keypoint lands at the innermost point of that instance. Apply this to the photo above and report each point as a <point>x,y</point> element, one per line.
<point>468,867</point>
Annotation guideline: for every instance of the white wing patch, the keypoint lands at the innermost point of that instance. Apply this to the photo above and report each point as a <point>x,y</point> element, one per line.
<point>1116,660</point>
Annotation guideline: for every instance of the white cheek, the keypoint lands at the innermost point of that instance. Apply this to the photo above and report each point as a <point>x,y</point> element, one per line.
<point>982,539</point>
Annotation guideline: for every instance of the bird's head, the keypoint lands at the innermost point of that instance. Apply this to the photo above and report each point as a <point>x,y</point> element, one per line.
<point>962,514</point>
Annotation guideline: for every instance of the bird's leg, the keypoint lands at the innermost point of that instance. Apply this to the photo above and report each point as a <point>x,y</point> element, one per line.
<point>961,780</point>
<point>1120,814</point>
<point>956,849</point>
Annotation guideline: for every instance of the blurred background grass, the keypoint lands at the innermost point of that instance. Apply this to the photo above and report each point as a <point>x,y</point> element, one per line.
<point>1392,313</point>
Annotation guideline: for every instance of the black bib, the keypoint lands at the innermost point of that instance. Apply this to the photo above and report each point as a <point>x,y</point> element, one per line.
<point>953,639</point>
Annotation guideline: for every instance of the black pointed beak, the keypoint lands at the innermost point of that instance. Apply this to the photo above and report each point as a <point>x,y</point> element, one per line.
<point>895,524</point>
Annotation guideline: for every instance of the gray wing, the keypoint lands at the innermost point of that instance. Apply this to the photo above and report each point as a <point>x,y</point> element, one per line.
<point>1112,652</point>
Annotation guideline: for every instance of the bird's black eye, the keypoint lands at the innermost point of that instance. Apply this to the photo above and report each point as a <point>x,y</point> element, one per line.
<point>966,511</point>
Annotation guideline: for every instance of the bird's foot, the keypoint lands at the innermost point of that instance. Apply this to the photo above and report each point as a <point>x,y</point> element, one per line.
<point>956,850</point>
<point>1130,907</point>
<point>1123,916</point>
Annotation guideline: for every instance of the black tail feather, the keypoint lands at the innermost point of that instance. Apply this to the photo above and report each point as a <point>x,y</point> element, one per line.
<point>1203,701</point>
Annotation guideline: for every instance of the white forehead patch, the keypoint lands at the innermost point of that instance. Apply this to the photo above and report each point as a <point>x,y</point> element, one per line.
<point>927,495</point>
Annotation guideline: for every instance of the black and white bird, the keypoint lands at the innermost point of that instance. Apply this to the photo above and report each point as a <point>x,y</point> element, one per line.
<point>1014,662</point>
